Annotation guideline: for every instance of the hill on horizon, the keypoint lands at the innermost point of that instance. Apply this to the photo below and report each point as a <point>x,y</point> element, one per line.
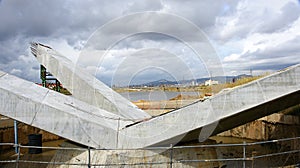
<point>221,79</point>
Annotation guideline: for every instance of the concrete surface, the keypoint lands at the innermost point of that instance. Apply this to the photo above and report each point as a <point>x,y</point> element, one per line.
<point>92,124</point>
<point>222,112</point>
<point>84,86</point>
<point>57,113</point>
<point>156,158</point>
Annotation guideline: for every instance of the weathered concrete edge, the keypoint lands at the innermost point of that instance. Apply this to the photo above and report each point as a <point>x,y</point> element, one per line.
<point>59,65</point>
<point>58,114</point>
<point>149,138</point>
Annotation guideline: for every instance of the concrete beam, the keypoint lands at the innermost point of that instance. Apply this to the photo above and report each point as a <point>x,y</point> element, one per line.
<point>95,124</point>
<point>84,86</point>
<point>59,114</point>
<point>223,111</point>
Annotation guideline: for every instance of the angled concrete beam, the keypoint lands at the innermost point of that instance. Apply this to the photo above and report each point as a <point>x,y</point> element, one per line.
<point>84,123</point>
<point>84,86</point>
<point>226,110</point>
<point>59,114</point>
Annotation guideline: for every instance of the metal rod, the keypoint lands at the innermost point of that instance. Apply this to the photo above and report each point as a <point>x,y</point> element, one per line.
<point>84,164</point>
<point>171,156</point>
<point>16,134</point>
<point>275,154</point>
<point>244,159</point>
<point>7,144</point>
<point>89,159</point>
<point>43,76</point>
<point>214,160</point>
<point>18,157</point>
<point>159,148</point>
<point>244,154</point>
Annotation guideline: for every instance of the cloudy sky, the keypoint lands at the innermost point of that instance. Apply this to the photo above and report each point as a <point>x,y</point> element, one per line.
<point>118,43</point>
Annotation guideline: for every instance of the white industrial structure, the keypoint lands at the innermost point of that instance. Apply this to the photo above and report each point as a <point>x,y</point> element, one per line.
<point>211,82</point>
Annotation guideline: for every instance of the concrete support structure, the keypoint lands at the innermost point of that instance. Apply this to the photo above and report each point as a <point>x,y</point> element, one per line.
<point>109,124</point>
<point>84,86</point>
<point>224,111</point>
<point>59,114</point>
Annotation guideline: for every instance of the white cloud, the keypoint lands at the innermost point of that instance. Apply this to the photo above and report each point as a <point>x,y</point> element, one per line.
<point>258,35</point>
<point>262,36</point>
<point>257,16</point>
<point>232,58</point>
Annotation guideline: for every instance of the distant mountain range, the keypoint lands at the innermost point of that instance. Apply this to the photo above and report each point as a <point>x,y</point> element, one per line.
<point>220,79</point>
